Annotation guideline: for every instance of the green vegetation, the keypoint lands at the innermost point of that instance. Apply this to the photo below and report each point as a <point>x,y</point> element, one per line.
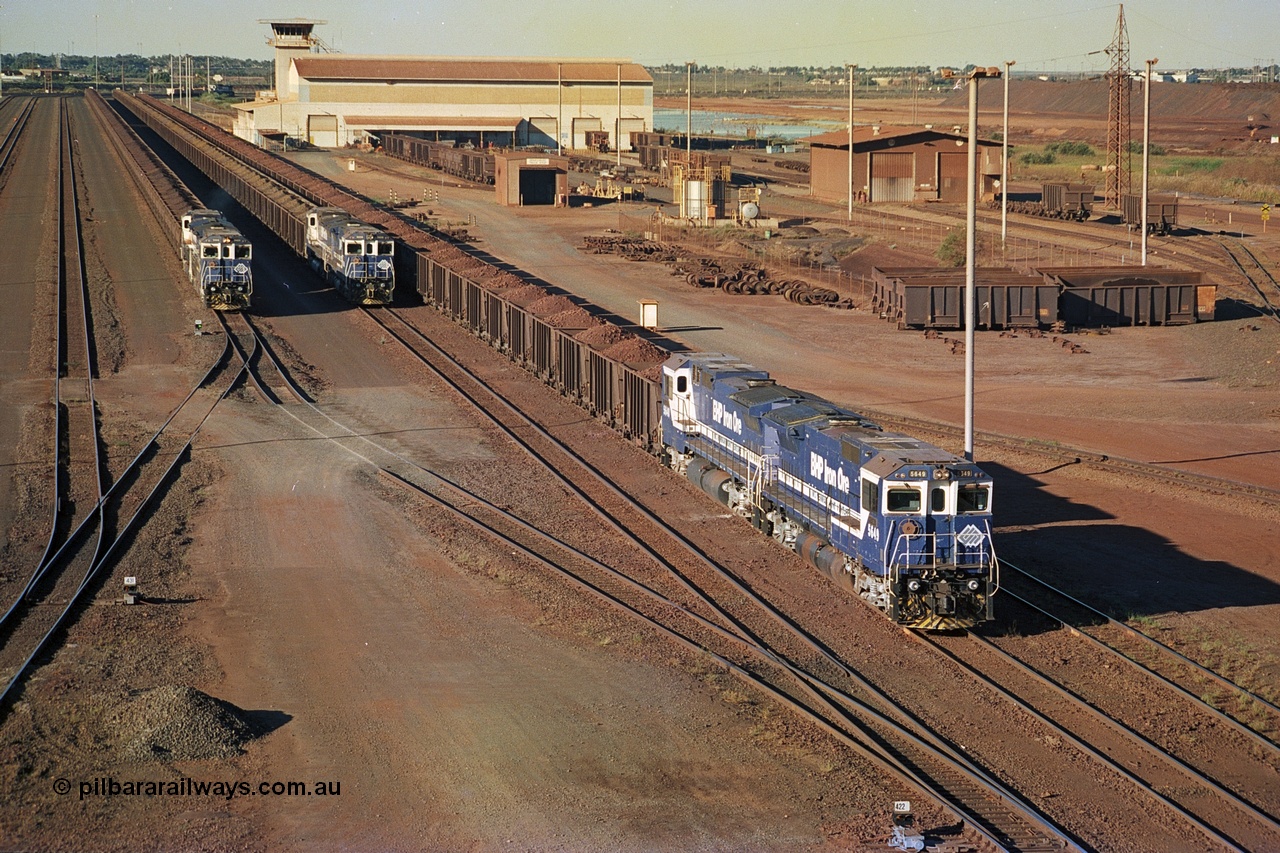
<point>1250,176</point>
<point>1070,148</point>
<point>1136,148</point>
<point>1037,158</point>
<point>952,250</point>
<point>1178,165</point>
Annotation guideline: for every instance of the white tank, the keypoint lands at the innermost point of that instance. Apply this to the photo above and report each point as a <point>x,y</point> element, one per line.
<point>695,199</point>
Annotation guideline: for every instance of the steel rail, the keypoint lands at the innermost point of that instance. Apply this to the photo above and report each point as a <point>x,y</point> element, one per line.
<point>1079,704</point>
<point>762,606</point>
<point>1013,805</point>
<point>1271,311</point>
<point>873,747</point>
<point>103,558</point>
<point>1094,459</point>
<point>1160,647</point>
<point>10,142</point>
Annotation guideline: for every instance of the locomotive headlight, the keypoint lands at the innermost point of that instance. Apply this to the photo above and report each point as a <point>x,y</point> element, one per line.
<point>975,585</point>
<point>913,585</point>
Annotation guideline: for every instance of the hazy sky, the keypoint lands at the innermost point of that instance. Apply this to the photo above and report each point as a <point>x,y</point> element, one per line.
<point>1050,35</point>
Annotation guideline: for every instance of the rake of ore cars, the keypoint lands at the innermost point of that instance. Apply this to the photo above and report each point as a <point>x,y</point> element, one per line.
<point>899,522</point>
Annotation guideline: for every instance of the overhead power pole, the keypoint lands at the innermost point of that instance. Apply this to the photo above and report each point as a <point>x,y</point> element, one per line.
<point>1119,84</point>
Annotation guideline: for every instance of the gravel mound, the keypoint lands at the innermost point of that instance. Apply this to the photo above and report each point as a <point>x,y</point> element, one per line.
<point>175,723</point>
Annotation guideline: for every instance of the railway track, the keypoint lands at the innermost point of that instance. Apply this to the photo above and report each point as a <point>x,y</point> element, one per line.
<point>1223,816</point>
<point>870,722</point>
<point>699,629</point>
<point>1151,657</point>
<point>13,133</point>
<point>1256,275</point>
<point>92,517</point>
<point>946,435</point>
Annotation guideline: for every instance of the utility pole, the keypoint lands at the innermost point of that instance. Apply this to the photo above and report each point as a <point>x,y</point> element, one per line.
<point>1004,162</point>
<point>1146,154</point>
<point>852,70</point>
<point>688,93</point>
<point>970,253</point>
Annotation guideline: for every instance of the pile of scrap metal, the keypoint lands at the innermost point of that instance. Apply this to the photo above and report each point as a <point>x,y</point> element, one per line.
<point>631,248</point>
<point>751,279</point>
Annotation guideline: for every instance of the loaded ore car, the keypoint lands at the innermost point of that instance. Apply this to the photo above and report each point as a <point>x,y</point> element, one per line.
<point>897,521</point>
<point>356,258</point>
<point>218,260</point>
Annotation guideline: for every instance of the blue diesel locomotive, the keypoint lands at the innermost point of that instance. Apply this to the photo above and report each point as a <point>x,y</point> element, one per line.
<point>897,521</point>
<point>356,258</point>
<point>218,260</point>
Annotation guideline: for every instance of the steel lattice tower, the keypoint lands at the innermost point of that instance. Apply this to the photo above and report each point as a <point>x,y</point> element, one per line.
<point>1119,84</point>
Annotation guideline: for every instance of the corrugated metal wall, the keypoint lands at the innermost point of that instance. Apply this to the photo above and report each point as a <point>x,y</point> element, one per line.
<point>893,176</point>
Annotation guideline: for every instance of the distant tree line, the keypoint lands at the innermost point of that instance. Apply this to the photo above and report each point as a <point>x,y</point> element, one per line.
<point>135,68</point>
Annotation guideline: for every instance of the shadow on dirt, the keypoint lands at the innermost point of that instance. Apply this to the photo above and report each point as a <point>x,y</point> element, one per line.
<point>1125,571</point>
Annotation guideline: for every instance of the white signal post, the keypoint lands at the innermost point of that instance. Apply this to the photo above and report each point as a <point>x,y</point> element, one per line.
<point>852,70</point>
<point>970,254</point>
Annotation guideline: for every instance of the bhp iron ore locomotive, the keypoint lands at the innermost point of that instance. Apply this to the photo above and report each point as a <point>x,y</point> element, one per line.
<point>356,258</point>
<point>218,259</point>
<point>901,523</point>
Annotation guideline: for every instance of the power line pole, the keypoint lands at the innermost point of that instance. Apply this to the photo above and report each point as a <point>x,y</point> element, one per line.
<point>1118,129</point>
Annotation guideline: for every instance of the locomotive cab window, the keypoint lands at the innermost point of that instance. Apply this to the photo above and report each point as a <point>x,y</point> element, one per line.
<point>682,384</point>
<point>353,248</point>
<point>973,499</point>
<point>938,500</point>
<point>208,251</point>
<point>870,496</point>
<point>244,252</point>
<point>903,500</point>
<point>228,252</point>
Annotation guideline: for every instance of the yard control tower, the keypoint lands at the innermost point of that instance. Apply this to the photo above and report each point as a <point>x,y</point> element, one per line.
<point>291,39</point>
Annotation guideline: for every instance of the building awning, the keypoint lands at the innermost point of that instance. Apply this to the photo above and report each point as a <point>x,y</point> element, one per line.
<point>509,123</point>
<point>251,106</point>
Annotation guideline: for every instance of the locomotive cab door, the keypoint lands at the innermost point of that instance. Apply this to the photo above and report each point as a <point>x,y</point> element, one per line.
<point>680,397</point>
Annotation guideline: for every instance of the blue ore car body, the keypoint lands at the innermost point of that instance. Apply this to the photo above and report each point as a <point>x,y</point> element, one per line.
<point>900,522</point>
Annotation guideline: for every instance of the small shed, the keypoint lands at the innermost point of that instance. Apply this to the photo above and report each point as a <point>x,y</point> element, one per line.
<point>899,164</point>
<point>528,178</point>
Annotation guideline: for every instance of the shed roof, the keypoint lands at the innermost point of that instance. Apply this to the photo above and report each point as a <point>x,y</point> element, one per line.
<point>864,134</point>
<point>446,69</point>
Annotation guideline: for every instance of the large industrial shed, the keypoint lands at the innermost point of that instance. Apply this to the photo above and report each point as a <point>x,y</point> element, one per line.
<point>898,164</point>
<point>332,99</point>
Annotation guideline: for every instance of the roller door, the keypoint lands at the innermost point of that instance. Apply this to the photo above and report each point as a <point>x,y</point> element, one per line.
<point>629,126</point>
<point>952,185</point>
<point>893,176</point>
<point>322,131</point>
<point>580,128</point>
